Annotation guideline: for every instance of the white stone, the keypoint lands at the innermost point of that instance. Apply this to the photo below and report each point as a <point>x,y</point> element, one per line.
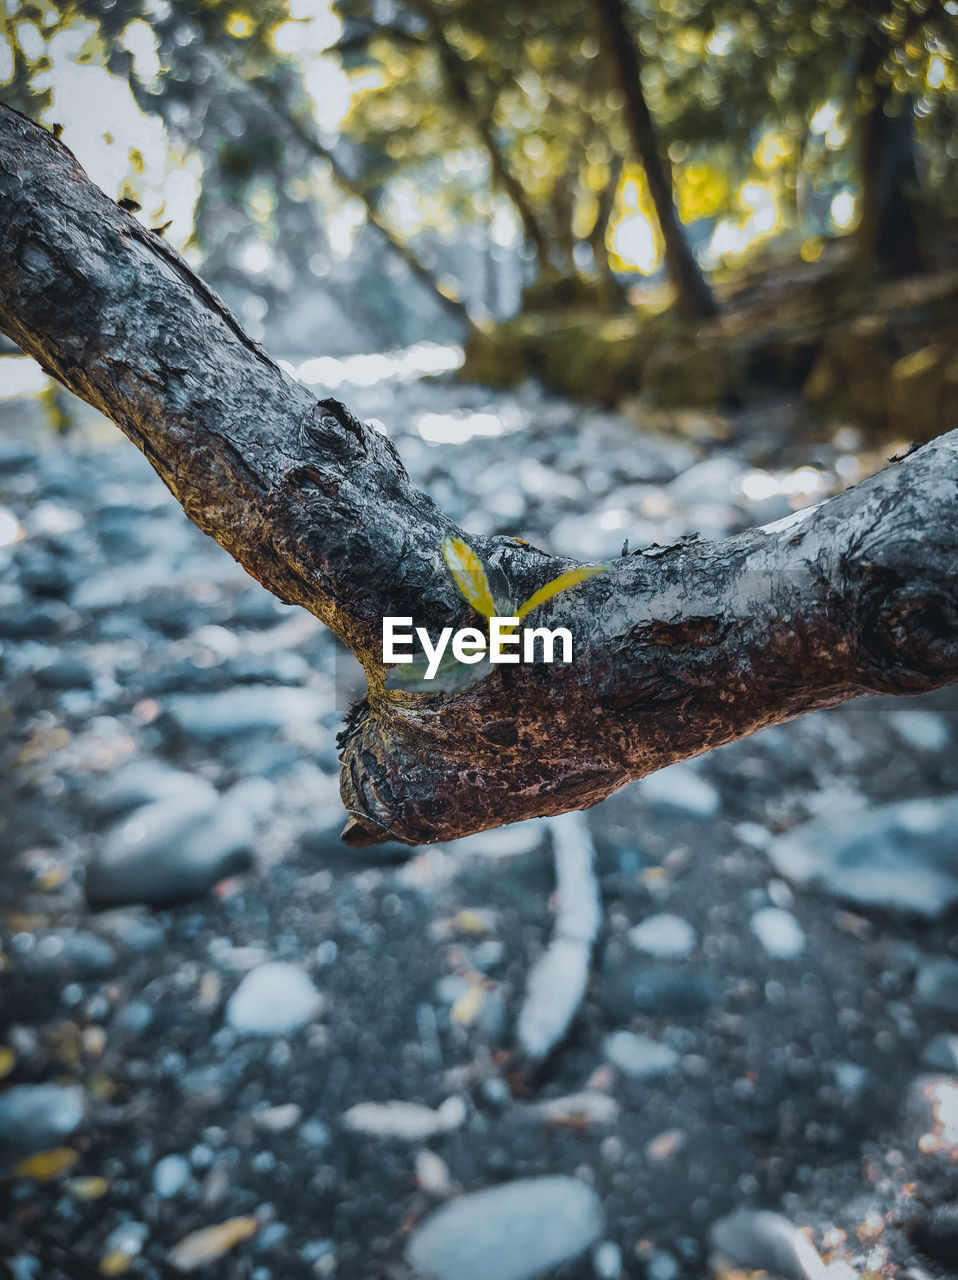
<point>272,1000</point>
<point>36,1116</point>
<point>410,1121</point>
<point>665,935</point>
<point>638,1056</point>
<point>898,856</point>
<point>170,1176</point>
<point>512,1232</point>
<point>779,933</point>
<point>679,787</point>
<point>923,730</point>
<point>760,1240</point>
<point>501,842</point>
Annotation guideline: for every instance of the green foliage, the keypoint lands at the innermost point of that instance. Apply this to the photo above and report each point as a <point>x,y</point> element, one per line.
<point>464,110</point>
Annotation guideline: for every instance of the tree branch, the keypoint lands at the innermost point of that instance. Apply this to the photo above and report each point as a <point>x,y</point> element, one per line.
<point>677,649</point>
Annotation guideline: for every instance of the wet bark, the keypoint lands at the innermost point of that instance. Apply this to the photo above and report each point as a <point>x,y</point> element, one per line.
<point>693,297</point>
<point>676,649</point>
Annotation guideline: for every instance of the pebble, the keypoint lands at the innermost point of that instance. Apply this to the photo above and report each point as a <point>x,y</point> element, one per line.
<point>942,1053</point>
<point>132,927</point>
<point>278,1119</point>
<point>432,1173</point>
<point>143,781</point>
<point>900,857</point>
<point>937,984</point>
<point>923,730</point>
<point>591,1105</point>
<point>664,935</point>
<point>607,1260</point>
<point>202,1247</point>
<point>170,1176</point>
<point>678,786</point>
<point>38,1116</point>
<point>273,999</point>
<point>410,1121</point>
<point>511,1232</point>
<point>936,1235</point>
<point>779,933</point>
<point>666,990</point>
<point>661,1265</point>
<point>502,842</point>
<point>77,952</point>
<point>248,709</point>
<point>171,850</point>
<point>639,1056</point>
<point>760,1240</point>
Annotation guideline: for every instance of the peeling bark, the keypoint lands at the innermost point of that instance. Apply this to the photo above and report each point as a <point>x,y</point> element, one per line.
<point>677,649</point>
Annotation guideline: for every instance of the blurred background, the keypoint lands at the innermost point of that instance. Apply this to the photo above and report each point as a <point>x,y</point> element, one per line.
<point>608,273</point>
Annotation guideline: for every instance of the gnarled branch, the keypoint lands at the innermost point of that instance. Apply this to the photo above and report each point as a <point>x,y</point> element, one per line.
<point>677,649</point>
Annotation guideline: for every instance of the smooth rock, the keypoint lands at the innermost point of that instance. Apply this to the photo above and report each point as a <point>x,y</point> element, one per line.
<point>678,786</point>
<point>638,1056</point>
<point>903,857</point>
<point>76,953</point>
<point>132,927</point>
<point>779,932</point>
<point>143,781</point>
<point>711,480</point>
<point>607,1260</point>
<point>936,1236</point>
<point>273,999</point>
<point>664,935</point>
<point>512,1232</point>
<point>408,1120</point>
<point>38,1116</point>
<point>591,1106</point>
<point>248,709</point>
<point>278,1119</point>
<point>937,984</point>
<point>666,990</point>
<point>171,851</point>
<point>759,1240</point>
<point>502,842</point>
<point>170,1176</point>
<point>942,1053</point>
<point>923,730</point>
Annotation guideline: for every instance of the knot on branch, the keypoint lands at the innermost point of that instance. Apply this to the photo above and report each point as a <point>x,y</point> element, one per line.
<point>911,634</point>
<point>329,430</point>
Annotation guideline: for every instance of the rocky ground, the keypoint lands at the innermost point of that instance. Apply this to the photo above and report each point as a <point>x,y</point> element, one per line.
<point>230,1044</point>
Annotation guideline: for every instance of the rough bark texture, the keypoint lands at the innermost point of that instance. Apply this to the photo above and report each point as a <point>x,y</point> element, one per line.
<point>694,298</point>
<point>677,649</point>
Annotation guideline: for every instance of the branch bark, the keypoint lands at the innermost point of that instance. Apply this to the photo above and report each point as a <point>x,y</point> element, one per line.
<point>677,649</point>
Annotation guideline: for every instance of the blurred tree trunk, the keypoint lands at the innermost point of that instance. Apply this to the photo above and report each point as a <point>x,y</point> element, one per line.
<point>610,289</point>
<point>677,649</point>
<point>481,120</point>
<point>693,296</point>
<point>888,235</point>
<point>306,136</point>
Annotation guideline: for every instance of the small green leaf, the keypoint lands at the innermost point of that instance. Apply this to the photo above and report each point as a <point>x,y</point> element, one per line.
<point>562,583</point>
<point>470,576</point>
